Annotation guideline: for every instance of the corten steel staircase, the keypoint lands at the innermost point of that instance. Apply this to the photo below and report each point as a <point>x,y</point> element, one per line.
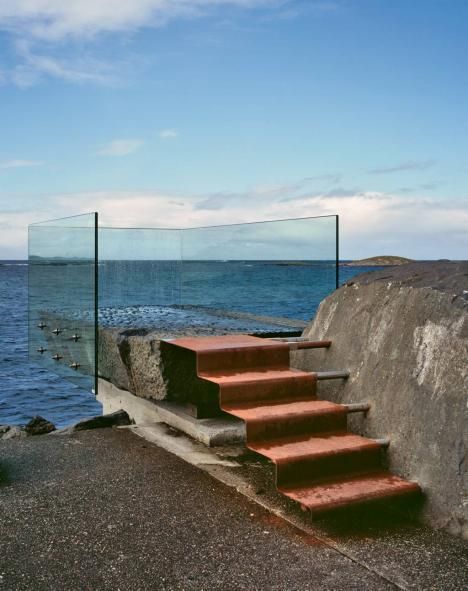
<point>318,462</point>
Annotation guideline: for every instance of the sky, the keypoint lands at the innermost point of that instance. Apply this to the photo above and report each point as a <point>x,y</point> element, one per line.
<point>180,113</point>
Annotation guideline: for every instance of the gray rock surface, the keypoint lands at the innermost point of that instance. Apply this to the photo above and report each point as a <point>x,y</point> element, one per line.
<point>118,418</point>
<point>39,426</point>
<point>403,335</point>
<point>130,359</point>
<point>14,432</point>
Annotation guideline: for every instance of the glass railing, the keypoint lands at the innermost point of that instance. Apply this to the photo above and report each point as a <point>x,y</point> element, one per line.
<point>278,269</point>
<point>63,297</point>
<point>259,278</point>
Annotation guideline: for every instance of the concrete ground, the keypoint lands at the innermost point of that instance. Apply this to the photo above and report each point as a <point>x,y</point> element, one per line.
<point>105,509</point>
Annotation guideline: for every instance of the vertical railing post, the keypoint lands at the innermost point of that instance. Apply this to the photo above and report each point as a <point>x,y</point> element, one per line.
<point>96,302</point>
<point>337,251</point>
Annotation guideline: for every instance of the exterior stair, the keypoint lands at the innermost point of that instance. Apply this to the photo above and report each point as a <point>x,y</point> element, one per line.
<point>318,462</point>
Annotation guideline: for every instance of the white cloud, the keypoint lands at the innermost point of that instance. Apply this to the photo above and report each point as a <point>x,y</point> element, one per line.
<point>371,222</point>
<point>19,163</point>
<point>168,134</point>
<point>58,19</point>
<point>34,66</point>
<point>42,31</point>
<point>120,147</point>
<point>409,165</point>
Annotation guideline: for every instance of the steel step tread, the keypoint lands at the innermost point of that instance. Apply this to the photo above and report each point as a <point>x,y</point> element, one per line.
<point>250,377</point>
<point>341,492</point>
<point>282,410</point>
<point>299,447</point>
<point>234,342</point>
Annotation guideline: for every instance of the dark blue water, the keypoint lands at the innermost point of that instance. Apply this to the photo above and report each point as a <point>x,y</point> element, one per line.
<point>26,389</point>
<point>256,287</point>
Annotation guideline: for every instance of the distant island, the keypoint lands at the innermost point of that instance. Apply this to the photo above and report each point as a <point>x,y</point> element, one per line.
<point>379,261</point>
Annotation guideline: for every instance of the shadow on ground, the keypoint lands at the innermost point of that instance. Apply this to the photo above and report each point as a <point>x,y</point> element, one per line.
<point>374,520</point>
<point>4,474</point>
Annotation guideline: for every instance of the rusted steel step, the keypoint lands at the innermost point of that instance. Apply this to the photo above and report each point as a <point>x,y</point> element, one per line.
<point>267,385</point>
<point>310,458</point>
<point>343,492</point>
<point>236,352</point>
<point>269,422</point>
<point>318,463</point>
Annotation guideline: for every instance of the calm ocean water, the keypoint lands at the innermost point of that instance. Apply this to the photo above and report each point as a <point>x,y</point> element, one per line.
<point>27,389</point>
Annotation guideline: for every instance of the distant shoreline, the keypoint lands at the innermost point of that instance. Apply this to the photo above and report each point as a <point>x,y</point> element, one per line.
<point>379,261</point>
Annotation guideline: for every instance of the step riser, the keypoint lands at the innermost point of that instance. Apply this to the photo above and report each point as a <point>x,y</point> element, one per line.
<point>277,428</point>
<point>293,389</point>
<point>244,359</point>
<point>313,470</point>
<point>383,501</point>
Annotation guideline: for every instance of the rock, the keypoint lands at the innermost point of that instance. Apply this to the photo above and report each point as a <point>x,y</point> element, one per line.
<point>39,426</point>
<point>4,429</point>
<point>115,419</point>
<point>379,261</point>
<point>131,360</point>
<point>403,335</point>
<point>14,432</point>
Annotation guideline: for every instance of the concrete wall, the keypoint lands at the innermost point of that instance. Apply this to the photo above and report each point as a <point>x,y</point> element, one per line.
<point>407,350</point>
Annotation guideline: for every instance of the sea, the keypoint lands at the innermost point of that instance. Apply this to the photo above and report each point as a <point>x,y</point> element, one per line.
<point>263,288</point>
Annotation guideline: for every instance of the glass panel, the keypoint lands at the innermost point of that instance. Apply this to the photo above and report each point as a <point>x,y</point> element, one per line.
<point>63,297</point>
<point>260,277</point>
<point>279,269</point>
<point>139,276</point>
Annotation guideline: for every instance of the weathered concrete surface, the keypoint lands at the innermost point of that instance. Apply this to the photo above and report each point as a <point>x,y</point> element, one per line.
<point>131,360</point>
<point>403,335</point>
<point>223,430</point>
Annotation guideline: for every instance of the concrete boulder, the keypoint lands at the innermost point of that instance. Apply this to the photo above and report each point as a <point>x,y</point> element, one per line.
<point>403,335</point>
<point>131,360</point>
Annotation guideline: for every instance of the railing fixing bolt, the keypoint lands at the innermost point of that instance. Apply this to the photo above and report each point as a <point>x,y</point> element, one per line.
<point>75,365</point>
<point>75,337</point>
<point>57,357</point>
<point>41,325</point>
<point>57,331</point>
<point>41,350</point>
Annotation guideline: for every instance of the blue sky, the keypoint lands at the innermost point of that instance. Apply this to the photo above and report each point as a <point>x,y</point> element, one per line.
<point>192,112</point>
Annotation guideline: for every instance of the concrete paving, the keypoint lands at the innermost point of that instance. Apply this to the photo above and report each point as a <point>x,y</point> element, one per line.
<point>105,509</point>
